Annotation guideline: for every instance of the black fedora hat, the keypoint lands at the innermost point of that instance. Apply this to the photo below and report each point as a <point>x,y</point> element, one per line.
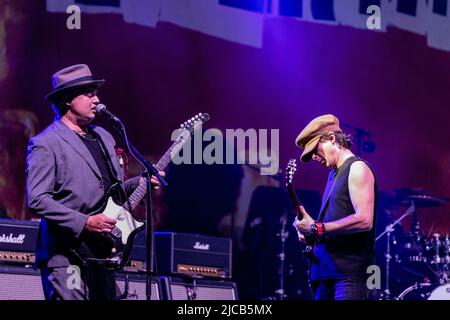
<point>71,77</point>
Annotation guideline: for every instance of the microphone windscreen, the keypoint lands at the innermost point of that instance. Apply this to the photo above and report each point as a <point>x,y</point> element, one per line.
<point>100,107</point>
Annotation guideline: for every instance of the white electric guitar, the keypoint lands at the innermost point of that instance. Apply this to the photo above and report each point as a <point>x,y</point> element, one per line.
<point>116,246</point>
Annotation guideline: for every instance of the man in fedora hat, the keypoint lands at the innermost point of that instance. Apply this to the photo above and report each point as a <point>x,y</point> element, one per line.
<point>343,233</point>
<point>70,166</point>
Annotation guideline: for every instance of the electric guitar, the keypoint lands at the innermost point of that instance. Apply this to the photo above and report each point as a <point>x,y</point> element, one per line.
<point>115,247</point>
<point>290,171</point>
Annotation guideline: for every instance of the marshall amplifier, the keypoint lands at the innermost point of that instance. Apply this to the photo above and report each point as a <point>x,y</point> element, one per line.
<point>192,255</point>
<point>18,241</point>
<point>138,255</point>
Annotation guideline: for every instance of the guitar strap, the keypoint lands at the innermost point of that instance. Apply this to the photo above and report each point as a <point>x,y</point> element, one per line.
<point>109,165</point>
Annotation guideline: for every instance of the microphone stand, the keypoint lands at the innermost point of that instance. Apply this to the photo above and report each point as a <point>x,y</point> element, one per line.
<point>149,171</point>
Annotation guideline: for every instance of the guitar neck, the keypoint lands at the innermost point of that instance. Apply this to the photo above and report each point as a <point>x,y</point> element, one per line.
<point>136,197</point>
<point>139,194</point>
<point>295,200</point>
<point>167,157</point>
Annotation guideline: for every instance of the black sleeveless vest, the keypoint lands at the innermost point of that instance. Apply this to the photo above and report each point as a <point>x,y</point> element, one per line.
<point>340,256</point>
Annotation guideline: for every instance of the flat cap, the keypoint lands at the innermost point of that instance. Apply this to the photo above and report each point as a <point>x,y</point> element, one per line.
<point>310,135</point>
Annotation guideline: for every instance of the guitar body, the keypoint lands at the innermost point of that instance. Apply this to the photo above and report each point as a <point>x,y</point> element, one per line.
<point>117,245</point>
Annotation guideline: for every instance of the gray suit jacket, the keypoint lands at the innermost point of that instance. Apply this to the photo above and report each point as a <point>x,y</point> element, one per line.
<point>63,184</point>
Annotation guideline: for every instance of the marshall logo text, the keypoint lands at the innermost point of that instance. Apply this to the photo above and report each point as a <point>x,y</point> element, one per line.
<point>201,246</point>
<point>11,239</point>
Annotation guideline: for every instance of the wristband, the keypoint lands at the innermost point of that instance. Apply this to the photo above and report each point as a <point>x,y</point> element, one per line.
<point>313,229</point>
<point>319,229</point>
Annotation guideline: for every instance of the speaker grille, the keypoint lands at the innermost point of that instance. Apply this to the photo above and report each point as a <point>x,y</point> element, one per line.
<point>15,285</point>
<point>203,290</point>
<point>136,288</point>
<point>23,284</point>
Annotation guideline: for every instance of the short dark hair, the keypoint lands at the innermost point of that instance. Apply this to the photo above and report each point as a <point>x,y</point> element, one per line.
<point>344,140</point>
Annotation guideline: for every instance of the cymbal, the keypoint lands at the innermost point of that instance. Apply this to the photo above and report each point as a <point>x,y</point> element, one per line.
<point>404,197</point>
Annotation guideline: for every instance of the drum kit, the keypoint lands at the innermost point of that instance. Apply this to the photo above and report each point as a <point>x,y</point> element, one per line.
<point>417,261</point>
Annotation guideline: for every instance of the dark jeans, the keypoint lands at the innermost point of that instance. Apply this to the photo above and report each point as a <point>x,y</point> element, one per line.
<point>340,289</point>
<point>75,283</point>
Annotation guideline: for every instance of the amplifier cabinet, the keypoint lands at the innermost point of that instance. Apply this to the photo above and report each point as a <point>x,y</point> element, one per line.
<point>19,283</point>
<point>177,288</point>
<point>193,255</point>
<point>18,235</point>
<point>136,284</point>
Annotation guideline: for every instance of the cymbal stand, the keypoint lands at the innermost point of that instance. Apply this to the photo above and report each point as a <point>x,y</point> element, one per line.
<point>284,233</point>
<point>446,271</point>
<point>389,229</point>
<point>440,264</point>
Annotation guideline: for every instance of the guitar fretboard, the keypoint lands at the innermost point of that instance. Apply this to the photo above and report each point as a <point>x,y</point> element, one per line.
<point>167,157</point>
<point>141,190</point>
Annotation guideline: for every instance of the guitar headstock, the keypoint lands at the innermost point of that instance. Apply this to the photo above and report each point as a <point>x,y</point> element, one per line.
<point>290,171</point>
<point>193,123</point>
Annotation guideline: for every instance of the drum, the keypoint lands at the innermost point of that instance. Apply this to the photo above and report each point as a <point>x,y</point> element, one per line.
<point>412,257</point>
<point>426,291</point>
<point>441,293</point>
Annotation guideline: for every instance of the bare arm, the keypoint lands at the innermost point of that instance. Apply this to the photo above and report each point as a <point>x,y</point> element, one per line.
<point>361,184</point>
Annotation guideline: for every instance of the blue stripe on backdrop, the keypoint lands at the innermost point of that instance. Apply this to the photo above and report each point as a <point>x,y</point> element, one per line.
<point>408,7</point>
<point>106,3</point>
<point>440,7</point>
<point>364,4</point>
<point>323,10</point>
<point>251,5</point>
<point>291,8</point>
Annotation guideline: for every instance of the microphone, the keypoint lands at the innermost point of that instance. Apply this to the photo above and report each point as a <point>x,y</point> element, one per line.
<point>101,109</point>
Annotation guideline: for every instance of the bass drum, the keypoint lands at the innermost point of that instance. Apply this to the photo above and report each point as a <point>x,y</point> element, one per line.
<point>441,293</point>
<point>426,291</point>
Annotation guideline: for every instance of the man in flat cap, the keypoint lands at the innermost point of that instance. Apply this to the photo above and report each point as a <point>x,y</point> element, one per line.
<point>343,235</point>
<point>70,167</point>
